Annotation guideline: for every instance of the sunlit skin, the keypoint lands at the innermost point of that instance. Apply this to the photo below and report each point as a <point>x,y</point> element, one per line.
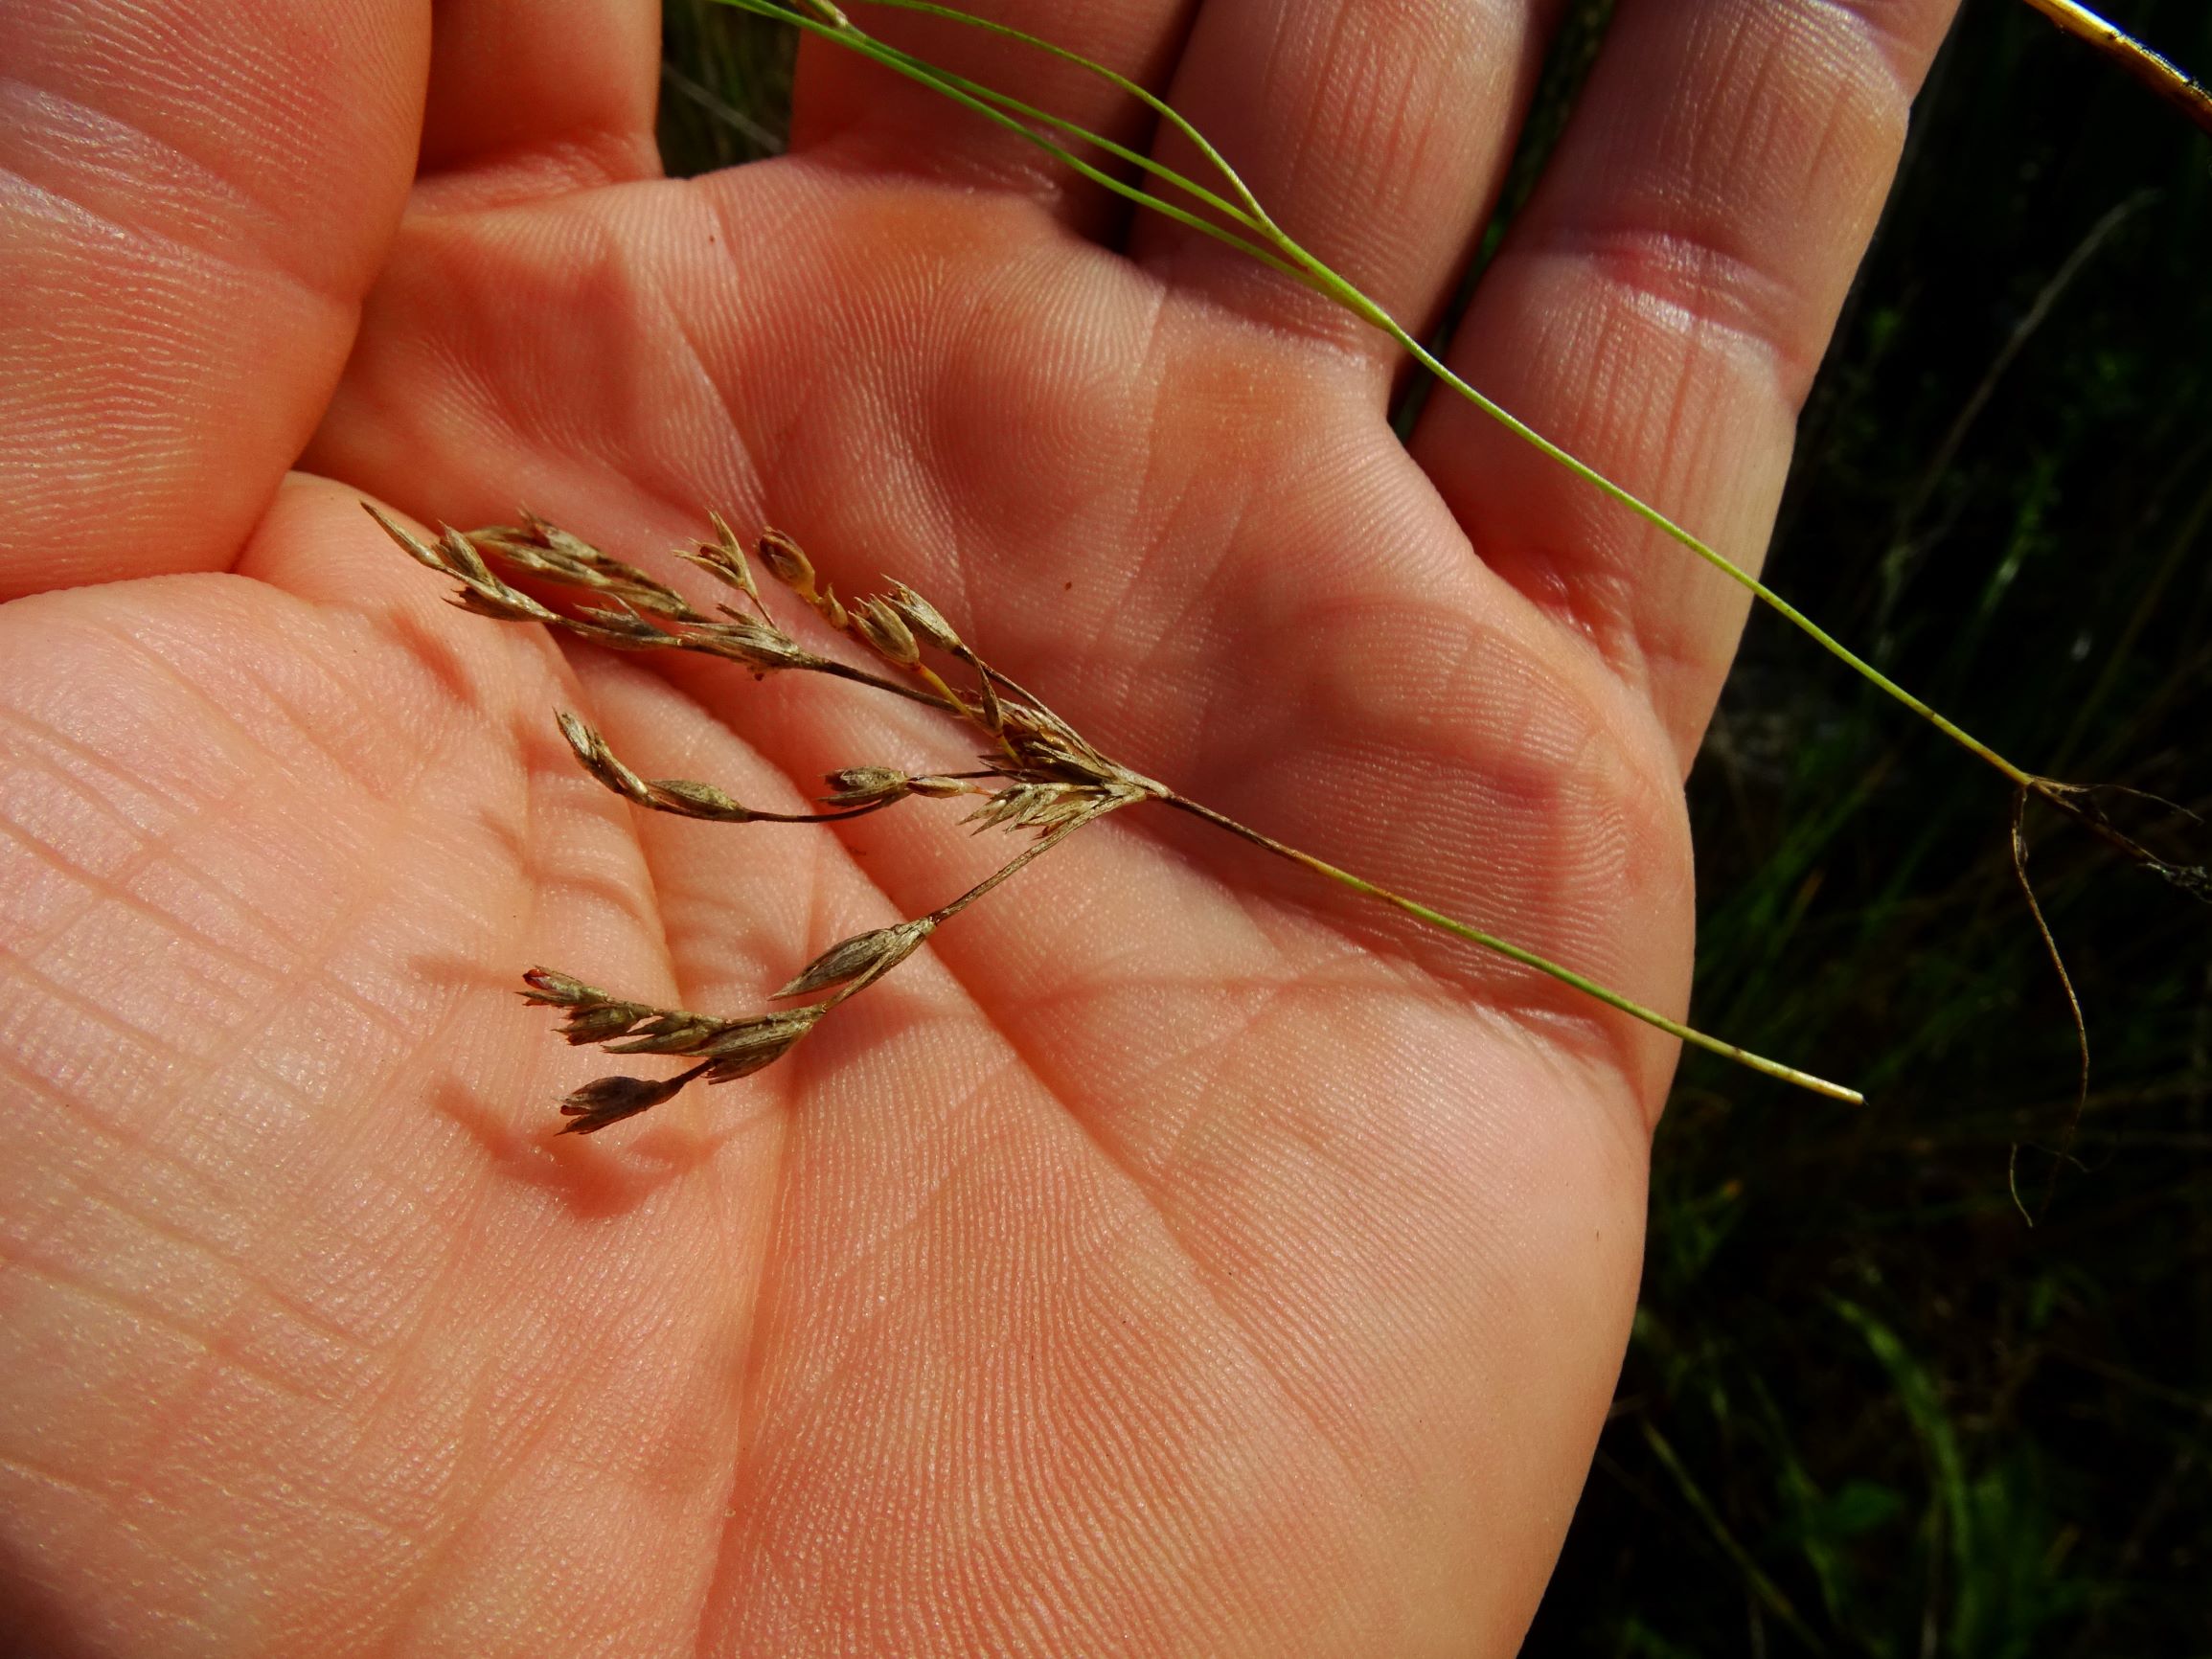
<point>1176,1256</point>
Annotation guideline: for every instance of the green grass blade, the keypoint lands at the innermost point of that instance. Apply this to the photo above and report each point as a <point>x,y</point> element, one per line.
<point>1285,254</point>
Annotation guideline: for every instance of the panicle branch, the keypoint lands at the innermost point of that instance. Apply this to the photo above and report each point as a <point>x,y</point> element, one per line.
<point>1038,774</point>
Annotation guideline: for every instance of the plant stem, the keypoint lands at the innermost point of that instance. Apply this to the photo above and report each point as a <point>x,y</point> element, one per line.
<point>2160,74</point>
<point>862,677</point>
<point>1515,953</point>
<point>1036,850</point>
<point>1285,254</point>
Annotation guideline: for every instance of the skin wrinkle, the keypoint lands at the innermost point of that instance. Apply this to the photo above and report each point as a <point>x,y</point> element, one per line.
<point>89,1183</point>
<point>1030,1064</point>
<point>90,148</point>
<point>743,1378</point>
<point>214,1346</point>
<point>340,926</point>
<point>1889,48</point>
<point>140,1150</point>
<point>254,264</point>
<point>231,1261</point>
<point>519,1460</point>
<point>1133,1216</point>
<point>269,216</point>
<point>344,758</point>
<point>1690,283</point>
<point>537,169</point>
<point>409,1615</point>
<point>96,1497</point>
<point>109,887</point>
<point>1036,1064</point>
<point>1320,618</point>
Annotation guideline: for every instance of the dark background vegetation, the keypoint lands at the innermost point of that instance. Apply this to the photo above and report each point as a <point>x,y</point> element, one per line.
<point>1868,1409</point>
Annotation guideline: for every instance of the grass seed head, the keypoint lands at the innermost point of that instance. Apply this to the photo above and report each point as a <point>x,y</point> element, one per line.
<point>920,614</point>
<point>865,786</point>
<point>744,1046</point>
<point>787,563</point>
<point>724,559</point>
<point>887,632</point>
<point>864,957</point>
<point>608,1101</point>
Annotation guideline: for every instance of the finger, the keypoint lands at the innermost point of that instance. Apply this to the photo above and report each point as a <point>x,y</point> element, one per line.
<point>528,96</point>
<point>889,122</point>
<point>1375,135</point>
<point>193,214</point>
<point>1660,309</point>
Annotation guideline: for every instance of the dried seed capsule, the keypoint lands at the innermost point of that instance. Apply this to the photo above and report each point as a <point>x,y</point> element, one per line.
<point>559,988</point>
<point>724,559</point>
<point>881,628</point>
<point>610,1099</point>
<point>863,957</point>
<point>696,799</point>
<point>864,786</point>
<point>602,1022</point>
<point>786,562</point>
<point>744,1046</point>
<point>923,617</point>
<point>598,759</point>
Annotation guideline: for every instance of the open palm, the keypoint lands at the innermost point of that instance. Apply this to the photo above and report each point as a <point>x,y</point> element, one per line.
<point>1175,1256</point>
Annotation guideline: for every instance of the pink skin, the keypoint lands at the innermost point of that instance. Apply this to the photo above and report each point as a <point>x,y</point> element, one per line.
<point>1175,1256</point>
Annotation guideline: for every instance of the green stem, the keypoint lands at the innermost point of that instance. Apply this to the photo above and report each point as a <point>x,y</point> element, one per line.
<point>1515,953</point>
<point>1285,254</point>
<point>951,86</point>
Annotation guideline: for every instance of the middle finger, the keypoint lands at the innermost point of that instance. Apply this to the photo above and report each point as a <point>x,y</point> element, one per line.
<point>898,126</point>
<point>1375,131</point>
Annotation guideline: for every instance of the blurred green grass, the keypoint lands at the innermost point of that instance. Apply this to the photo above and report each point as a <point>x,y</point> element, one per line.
<point>1867,1409</point>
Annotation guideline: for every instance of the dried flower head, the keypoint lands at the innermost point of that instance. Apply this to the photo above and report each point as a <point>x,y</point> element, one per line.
<point>681,796</point>
<point>865,786</point>
<point>724,559</point>
<point>1039,775</point>
<point>887,632</point>
<point>922,617</point>
<point>787,563</point>
<point>608,1101</point>
<point>864,957</point>
<point>548,552</point>
<point>726,1049</point>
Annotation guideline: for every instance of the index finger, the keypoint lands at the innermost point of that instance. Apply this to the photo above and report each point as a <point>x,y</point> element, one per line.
<point>194,207</point>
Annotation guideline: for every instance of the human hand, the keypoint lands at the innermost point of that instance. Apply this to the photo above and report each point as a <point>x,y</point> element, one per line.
<point>1172,1258</point>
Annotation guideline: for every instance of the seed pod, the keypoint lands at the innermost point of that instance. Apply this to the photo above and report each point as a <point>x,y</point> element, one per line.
<point>787,563</point>
<point>598,759</point>
<point>622,628</point>
<point>743,1046</point>
<point>746,640</point>
<point>695,800</point>
<point>610,1099</point>
<point>670,1031</point>
<point>863,957</point>
<point>559,988</point>
<point>724,559</point>
<point>881,628</point>
<point>601,1022</point>
<point>923,617</point>
<point>865,786</point>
